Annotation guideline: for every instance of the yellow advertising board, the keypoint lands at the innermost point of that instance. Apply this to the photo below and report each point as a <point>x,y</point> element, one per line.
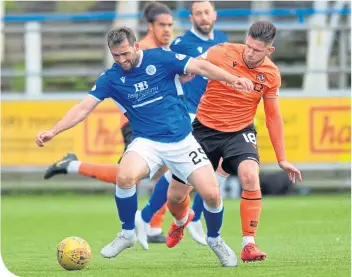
<point>317,130</point>
<point>97,139</point>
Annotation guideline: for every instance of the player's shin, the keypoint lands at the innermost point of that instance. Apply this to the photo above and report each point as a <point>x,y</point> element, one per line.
<point>104,173</point>
<point>179,210</point>
<point>250,208</point>
<point>213,218</point>
<point>126,202</point>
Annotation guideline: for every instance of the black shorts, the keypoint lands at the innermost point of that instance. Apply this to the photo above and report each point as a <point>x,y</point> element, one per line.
<point>127,136</point>
<point>233,147</point>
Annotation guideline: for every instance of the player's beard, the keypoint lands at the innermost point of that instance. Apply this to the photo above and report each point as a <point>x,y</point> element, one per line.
<point>204,30</point>
<point>133,64</point>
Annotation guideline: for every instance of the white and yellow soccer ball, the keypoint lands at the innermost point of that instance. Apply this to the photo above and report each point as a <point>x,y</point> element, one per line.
<point>73,253</point>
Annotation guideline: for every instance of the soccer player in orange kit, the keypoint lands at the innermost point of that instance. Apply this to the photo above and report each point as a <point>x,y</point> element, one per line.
<point>224,128</point>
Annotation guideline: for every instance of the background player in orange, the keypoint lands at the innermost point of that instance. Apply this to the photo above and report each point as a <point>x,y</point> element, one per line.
<point>224,125</point>
<point>160,28</point>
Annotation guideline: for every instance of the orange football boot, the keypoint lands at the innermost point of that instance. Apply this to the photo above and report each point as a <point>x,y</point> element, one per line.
<point>251,253</point>
<point>175,233</point>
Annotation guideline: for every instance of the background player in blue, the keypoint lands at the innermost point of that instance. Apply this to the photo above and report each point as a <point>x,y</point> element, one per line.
<point>193,43</point>
<point>145,86</point>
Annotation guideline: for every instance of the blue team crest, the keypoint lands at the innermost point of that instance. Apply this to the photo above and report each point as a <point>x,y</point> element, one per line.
<point>150,70</point>
<point>180,57</point>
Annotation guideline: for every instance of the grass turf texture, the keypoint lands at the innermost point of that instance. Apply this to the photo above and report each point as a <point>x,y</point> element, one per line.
<point>303,236</point>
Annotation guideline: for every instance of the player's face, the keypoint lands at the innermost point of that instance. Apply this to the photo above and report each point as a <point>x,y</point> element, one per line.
<point>162,29</point>
<point>255,51</point>
<point>125,55</point>
<point>203,17</point>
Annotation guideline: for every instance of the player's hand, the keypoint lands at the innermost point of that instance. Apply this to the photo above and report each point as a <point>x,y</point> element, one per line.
<point>43,137</point>
<point>186,78</point>
<point>243,84</point>
<point>291,170</point>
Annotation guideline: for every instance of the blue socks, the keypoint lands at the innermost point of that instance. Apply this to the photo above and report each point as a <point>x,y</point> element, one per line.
<point>213,218</point>
<point>197,206</point>
<point>126,203</point>
<point>156,200</point>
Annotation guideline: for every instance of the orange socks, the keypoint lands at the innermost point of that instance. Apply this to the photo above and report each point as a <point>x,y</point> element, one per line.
<point>105,173</point>
<point>158,218</point>
<point>250,208</point>
<point>179,210</point>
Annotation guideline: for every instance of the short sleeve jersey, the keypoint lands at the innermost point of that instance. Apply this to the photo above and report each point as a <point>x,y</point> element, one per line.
<point>148,94</point>
<point>226,109</point>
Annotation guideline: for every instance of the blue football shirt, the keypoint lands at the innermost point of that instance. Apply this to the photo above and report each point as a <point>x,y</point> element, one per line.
<point>194,45</point>
<point>148,94</point>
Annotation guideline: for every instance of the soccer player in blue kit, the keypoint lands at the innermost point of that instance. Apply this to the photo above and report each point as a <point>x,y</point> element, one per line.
<point>193,43</point>
<point>144,85</point>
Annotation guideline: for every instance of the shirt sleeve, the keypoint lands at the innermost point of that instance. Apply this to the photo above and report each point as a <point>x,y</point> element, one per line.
<point>101,89</point>
<point>273,91</point>
<point>177,46</point>
<point>176,63</point>
<point>213,54</point>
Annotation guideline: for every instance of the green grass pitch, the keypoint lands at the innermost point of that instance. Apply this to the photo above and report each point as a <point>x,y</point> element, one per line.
<point>303,236</point>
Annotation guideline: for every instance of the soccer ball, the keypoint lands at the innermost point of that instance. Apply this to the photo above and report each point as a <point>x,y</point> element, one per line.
<point>73,253</point>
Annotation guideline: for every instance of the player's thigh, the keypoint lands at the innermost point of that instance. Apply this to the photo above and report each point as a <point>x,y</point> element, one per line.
<point>191,165</point>
<point>132,168</point>
<point>140,159</point>
<point>220,170</point>
<point>209,140</point>
<point>239,147</point>
<point>184,157</point>
<point>204,181</point>
<point>178,191</point>
<point>160,173</point>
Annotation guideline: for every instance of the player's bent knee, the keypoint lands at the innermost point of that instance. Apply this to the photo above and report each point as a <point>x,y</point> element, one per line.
<point>177,192</point>
<point>125,180</point>
<point>212,199</point>
<point>176,196</point>
<point>248,173</point>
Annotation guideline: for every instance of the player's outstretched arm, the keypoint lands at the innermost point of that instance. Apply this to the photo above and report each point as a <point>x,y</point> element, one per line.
<point>75,115</point>
<point>206,69</point>
<point>275,126</point>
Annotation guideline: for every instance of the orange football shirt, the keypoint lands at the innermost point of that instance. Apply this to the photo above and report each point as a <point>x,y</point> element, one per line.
<point>226,109</point>
<point>148,42</point>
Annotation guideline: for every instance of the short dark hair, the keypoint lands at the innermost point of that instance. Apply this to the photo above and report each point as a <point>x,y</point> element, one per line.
<point>263,30</point>
<point>117,36</point>
<point>154,9</point>
<point>194,2</point>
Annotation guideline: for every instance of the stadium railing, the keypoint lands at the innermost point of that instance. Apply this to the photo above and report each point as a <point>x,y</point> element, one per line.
<point>33,29</point>
<point>298,13</point>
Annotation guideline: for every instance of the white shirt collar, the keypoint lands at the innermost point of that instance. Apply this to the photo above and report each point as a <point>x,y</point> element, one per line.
<point>140,58</point>
<point>201,36</point>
